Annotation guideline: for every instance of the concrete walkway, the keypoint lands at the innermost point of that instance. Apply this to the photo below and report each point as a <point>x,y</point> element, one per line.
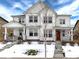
<point>8,46</point>
<point>58,50</point>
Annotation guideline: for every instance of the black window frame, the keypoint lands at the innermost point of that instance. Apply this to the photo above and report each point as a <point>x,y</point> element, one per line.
<point>35,18</point>
<point>62,21</point>
<point>50,19</point>
<point>45,19</point>
<point>30,19</point>
<point>48,33</point>
<point>30,33</point>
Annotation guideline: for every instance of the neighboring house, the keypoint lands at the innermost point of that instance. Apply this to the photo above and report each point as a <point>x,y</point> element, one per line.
<point>42,22</point>
<point>76,30</point>
<point>2,21</point>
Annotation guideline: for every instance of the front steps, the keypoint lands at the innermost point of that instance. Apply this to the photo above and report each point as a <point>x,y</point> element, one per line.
<point>58,50</point>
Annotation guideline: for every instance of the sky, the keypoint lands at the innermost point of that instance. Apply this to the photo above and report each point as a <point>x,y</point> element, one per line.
<point>17,7</point>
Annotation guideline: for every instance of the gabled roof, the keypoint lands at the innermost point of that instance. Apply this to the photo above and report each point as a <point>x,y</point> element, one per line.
<point>42,2</point>
<point>76,24</point>
<point>1,18</point>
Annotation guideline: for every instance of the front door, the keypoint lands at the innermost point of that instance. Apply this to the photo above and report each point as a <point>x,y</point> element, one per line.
<point>58,35</point>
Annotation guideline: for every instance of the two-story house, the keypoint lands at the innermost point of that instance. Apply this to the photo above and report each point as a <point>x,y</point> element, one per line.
<point>42,22</point>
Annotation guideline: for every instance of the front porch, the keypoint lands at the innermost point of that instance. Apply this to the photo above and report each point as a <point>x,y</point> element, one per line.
<point>63,34</point>
<point>13,36</point>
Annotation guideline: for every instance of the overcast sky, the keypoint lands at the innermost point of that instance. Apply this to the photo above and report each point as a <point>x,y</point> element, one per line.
<point>16,7</point>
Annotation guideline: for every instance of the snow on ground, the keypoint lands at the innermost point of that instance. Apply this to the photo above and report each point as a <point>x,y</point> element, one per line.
<point>18,50</point>
<point>2,45</point>
<point>71,51</point>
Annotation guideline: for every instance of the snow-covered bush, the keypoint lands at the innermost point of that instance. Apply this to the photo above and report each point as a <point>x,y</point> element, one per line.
<point>32,52</point>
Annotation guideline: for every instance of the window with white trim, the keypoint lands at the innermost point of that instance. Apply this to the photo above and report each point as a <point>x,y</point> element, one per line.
<point>33,32</point>
<point>21,20</point>
<point>62,21</point>
<point>47,33</point>
<point>33,19</point>
<point>47,19</point>
<point>30,18</point>
<point>50,19</point>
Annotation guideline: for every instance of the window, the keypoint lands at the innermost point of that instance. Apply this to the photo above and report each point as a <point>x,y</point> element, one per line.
<point>50,19</point>
<point>30,18</point>
<point>33,32</point>
<point>19,20</point>
<point>20,32</point>
<point>63,33</point>
<point>22,21</point>
<point>47,19</point>
<point>47,33</point>
<point>62,21</point>
<point>50,33</point>
<point>33,18</point>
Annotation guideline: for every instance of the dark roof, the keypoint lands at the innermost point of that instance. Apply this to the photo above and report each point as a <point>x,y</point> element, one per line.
<point>3,19</point>
<point>75,24</point>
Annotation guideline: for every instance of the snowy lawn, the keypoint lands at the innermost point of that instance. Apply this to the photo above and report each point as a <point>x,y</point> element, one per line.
<point>71,51</point>
<point>19,50</point>
<point>2,45</point>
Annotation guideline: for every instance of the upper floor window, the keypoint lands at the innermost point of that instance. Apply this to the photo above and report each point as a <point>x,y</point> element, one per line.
<point>30,18</point>
<point>62,21</point>
<point>47,33</point>
<point>21,20</point>
<point>33,18</point>
<point>47,19</point>
<point>50,19</point>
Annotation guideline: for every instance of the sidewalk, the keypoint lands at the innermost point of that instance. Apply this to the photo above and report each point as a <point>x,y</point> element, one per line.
<point>8,46</point>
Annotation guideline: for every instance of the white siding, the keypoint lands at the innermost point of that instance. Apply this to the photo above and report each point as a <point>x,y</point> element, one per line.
<point>67,21</point>
<point>16,32</point>
<point>67,35</point>
<point>41,10</point>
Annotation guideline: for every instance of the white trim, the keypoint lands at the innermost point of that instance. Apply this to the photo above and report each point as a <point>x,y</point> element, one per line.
<point>5,35</point>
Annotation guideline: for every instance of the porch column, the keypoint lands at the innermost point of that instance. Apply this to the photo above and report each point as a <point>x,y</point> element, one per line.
<point>24,33</point>
<point>71,34</point>
<point>13,34</point>
<point>5,34</point>
<point>54,34</point>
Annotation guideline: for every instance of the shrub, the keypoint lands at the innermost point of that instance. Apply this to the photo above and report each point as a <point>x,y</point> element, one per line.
<point>31,52</point>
